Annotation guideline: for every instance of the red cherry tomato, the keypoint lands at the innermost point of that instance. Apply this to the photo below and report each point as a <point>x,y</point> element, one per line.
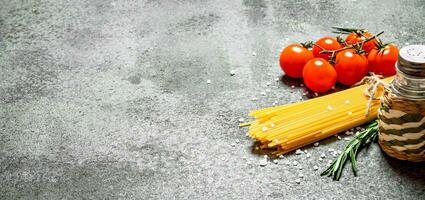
<point>327,43</point>
<point>353,38</point>
<point>350,67</point>
<point>293,58</point>
<point>319,75</point>
<point>382,61</point>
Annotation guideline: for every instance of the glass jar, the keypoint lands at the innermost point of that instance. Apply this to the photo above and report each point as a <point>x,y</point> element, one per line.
<point>402,112</point>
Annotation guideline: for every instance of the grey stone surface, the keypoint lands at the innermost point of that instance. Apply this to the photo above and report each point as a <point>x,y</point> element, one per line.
<point>109,99</point>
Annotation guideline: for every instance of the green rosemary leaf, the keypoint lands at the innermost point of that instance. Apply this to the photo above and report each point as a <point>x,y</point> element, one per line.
<point>349,30</point>
<point>351,151</point>
<point>353,163</point>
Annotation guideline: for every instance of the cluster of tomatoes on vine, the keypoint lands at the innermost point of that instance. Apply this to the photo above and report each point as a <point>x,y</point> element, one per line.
<point>330,59</point>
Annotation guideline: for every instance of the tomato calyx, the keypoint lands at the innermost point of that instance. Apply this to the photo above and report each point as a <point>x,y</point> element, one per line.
<point>308,44</point>
<point>341,40</point>
<point>381,46</point>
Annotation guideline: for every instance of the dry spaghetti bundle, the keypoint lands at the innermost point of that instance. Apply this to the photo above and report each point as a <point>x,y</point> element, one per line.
<point>292,126</point>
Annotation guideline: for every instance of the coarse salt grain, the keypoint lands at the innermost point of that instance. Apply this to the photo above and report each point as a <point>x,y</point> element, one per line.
<point>272,125</point>
<point>208,81</point>
<point>315,167</point>
<point>298,152</point>
<point>330,107</point>
<point>295,163</point>
<point>308,155</point>
<point>346,138</point>
<point>347,101</point>
<point>264,128</point>
<point>268,83</point>
<point>241,119</point>
<point>254,99</point>
<point>263,162</point>
<point>316,144</point>
<point>322,156</point>
<point>298,181</point>
<point>301,175</point>
<point>339,137</point>
<point>232,72</point>
<point>350,113</point>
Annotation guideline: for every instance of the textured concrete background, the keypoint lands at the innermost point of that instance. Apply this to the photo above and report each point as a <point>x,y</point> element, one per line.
<point>109,99</point>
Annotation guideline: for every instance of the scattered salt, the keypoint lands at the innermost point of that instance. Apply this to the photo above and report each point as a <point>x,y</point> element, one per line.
<point>330,107</point>
<point>316,144</point>
<point>272,125</point>
<point>295,163</point>
<point>264,128</point>
<point>268,83</point>
<point>350,113</point>
<point>254,99</point>
<point>346,138</point>
<point>322,156</point>
<point>308,155</point>
<point>208,81</point>
<point>339,137</point>
<point>232,72</point>
<point>298,180</point>
<point>263,93</point>
<point>298,152</point>
<point>347,101</point>
<point>253,53</point>
<point>315,167</point>
<point>301,175</point>
<point>241,120</point>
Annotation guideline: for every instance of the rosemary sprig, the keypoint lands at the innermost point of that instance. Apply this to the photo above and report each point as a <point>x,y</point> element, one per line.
<point>364,138</point>
<point>341,30</point>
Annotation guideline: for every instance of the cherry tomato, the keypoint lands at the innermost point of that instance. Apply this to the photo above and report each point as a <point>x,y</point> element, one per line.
<point>382,60</point>
<point>327,43</point>
<point>353,38</point>
<point>293,58</point>
<point>319,75</point>
<point>350,66</point>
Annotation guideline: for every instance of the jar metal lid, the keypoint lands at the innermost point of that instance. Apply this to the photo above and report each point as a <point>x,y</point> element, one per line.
<point>410,78</point>
<point>411,60</point>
